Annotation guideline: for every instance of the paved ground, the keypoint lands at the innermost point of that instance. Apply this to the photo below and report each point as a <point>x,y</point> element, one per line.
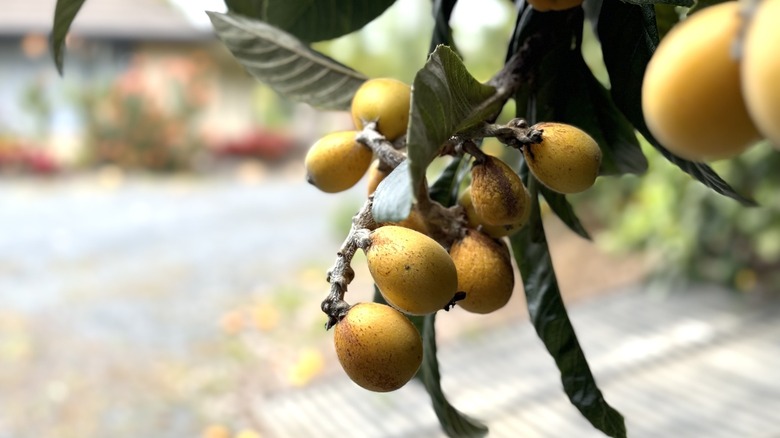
<point>150,307</point>
<point>700,363</point>
<point>122,299</point>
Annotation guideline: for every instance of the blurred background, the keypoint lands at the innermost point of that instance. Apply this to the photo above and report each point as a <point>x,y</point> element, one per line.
<point>162,259</point>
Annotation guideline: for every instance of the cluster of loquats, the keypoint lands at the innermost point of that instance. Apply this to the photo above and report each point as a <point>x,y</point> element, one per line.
<point>710,90</point>
<point>416,271</point>
<point>377,345</point>
<point>338,161</point>
<point>497,204</point>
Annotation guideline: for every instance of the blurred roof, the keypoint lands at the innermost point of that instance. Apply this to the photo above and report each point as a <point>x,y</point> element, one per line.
<point>115,19</point>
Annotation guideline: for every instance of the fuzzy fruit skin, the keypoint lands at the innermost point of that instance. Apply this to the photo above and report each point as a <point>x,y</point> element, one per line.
<point>337,161</point>
<point>476,222</point>
<point>484,272</point>
<point>412,271</point>
<point>497,193</point>
<point>760,69</point>
<point>385,101</point>
<point>553,5</point>
<point>691,94</point>
<point>378,347</point>
<point>566,161</point>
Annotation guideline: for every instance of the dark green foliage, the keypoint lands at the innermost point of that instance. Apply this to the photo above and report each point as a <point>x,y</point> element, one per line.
<point>564,90</point>
<point>453,422</point>
<point>312,20</point>
<point>442,33</point>
<point>446,99</point>
<point>271,54</point>
<point>64,13</point>
<point>564,210</point>
<point>553,326</point>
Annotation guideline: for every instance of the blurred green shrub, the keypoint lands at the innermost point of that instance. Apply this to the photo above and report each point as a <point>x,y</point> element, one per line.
<point>146,118</point>
<point>693,233</point>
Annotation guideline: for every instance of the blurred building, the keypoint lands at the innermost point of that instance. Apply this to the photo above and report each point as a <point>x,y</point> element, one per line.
<point>132,69</point>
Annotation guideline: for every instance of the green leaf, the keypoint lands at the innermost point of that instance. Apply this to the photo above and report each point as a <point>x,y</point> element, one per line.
<point>64,13</point>
<point>566,91</point>
<point>287,65</point>
<point>666,17</point>
<point>445,189</point>
<point>446,99</point>
<point>393,196</point>
<point>626,58</point>
<point>453,422</point>
<point>442,32</point>
<point>551,321</point>
<point>318,20</point>
<point>629,36</point>
<point>312,20</point>
<point>564,210</point>
<point>249,8</point>
<point>621,147</point>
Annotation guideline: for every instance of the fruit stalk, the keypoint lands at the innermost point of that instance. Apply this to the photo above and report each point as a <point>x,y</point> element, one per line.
<point>388,155</point>
<point>341,274</point>
<point>516,133</point>
<point>445,225</point>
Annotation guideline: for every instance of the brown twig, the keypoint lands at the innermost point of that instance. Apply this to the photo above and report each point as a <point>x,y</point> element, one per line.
<point>341,274</point>
<point>389,156</point>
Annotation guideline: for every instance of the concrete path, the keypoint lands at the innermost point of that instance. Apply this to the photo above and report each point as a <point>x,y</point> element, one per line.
<point>698,363</point>
<point>112,294</point>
